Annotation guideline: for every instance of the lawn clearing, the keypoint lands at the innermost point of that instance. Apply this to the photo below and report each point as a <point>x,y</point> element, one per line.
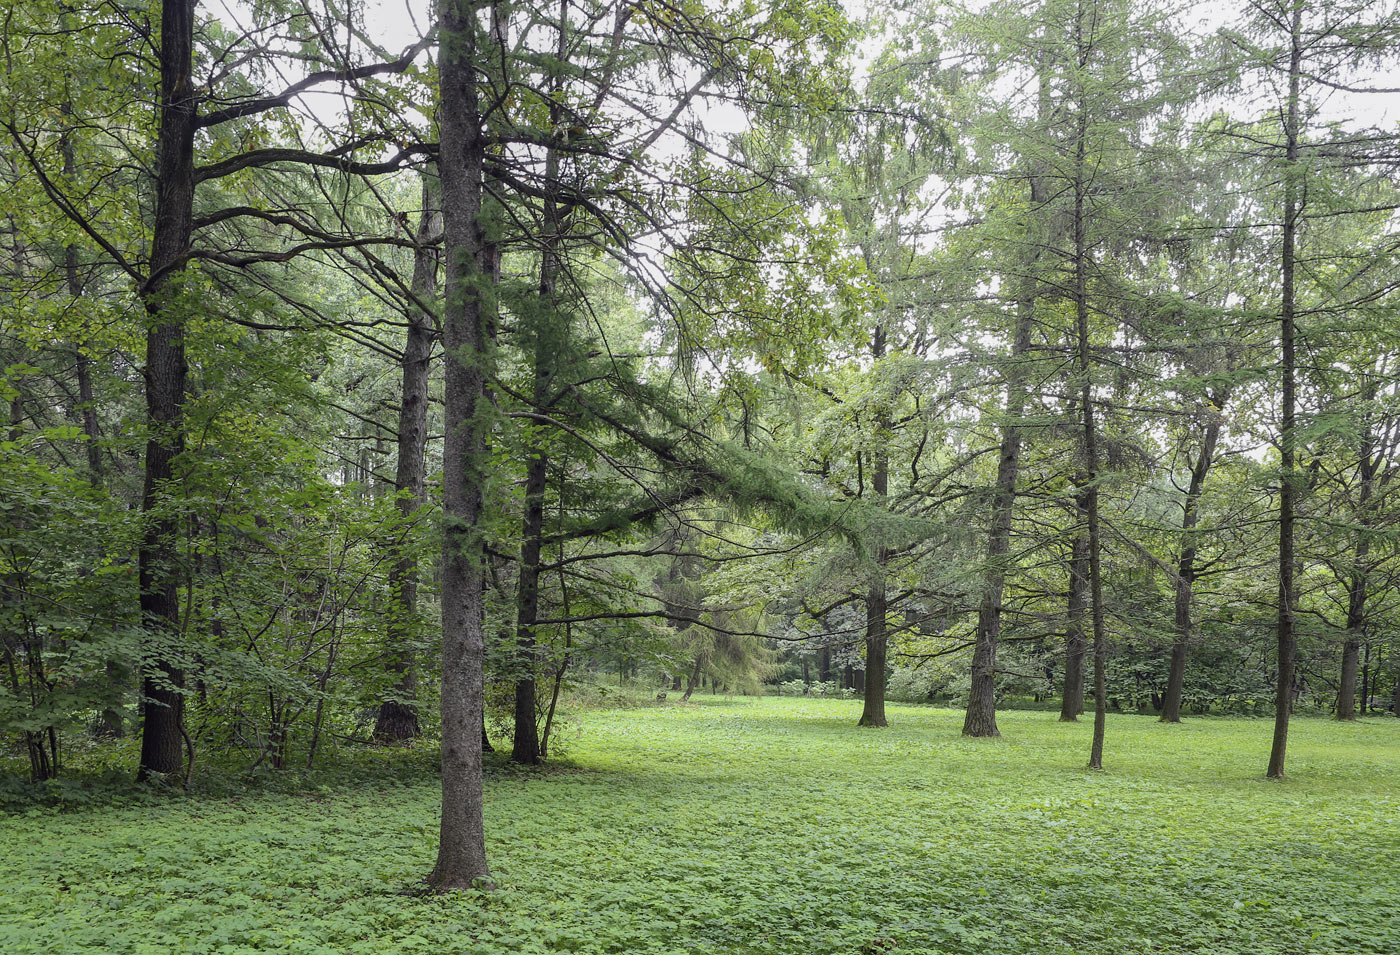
<point>770,825</point>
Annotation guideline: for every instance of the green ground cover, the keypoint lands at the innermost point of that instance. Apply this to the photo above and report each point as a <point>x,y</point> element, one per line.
<point>766,826</point>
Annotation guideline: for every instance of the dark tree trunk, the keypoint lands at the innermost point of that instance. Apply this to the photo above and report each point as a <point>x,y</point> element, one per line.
<point>1365,678</point>
<point>1287,639</point>
<point>1086,407</point>
<point>876,601</point>
<point>157,555</point>
<point>981,716</point>
<point>526,745</point>
<point>1346,693</point>
<point>1358,580</point>
<point>1072,699</point>
<point>398,715</point>
<point>461,860</point>
<point>692,683</point>
<point>824,671</point>
<point>1186,567</point>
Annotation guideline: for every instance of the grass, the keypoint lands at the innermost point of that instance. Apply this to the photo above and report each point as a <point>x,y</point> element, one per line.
<point>767,826</point>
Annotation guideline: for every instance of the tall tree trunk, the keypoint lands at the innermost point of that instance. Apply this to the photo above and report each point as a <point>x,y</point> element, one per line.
<point>1086,403</point>
<point>461,861</point>
<point>1186,568</point>
<point>398,715</point>
<point>693,682</point>
<point>1072,698</point>
<point>1346,693</point>
<point>1358,578</point>
<point>981,716</point>
<point>526,744</point>
<point>876,626</point>
<point>157,557</point>
<point>1287,639</point>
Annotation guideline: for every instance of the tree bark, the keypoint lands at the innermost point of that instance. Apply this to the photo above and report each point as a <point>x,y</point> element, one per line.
<point>1186,569</point>
<point>1086,402</point>
<point>526,744</point>
<point>693,682</point>
<point>398,715</point>
<point>1358,578</point>
<point>981,717</point>
<point>876,601</point>
<point>1287,639</point>
<point>157,556</point>
<point>1072,698</point>
<point>461,860</point>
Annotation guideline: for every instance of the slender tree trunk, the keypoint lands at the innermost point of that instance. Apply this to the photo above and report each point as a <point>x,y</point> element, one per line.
<point>1287,639</point>
<point>526,745</point>
<point>1072,699</point>
<point>1186,569</point>
<point>981,717</point>
<point>693,682</point>
<point>461,861</point>
<point>1346,693</point>
<point>876,608</point>
<point>398,715</point>
<point>1091,446</point>
<point>1358,579</point>
<point>157,555</point>
<point>1365,677</point>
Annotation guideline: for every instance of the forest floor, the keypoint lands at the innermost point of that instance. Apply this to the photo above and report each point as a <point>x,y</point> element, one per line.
<point>769,826</point>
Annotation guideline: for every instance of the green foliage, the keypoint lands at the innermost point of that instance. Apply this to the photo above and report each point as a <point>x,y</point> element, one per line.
<point>965,846</point>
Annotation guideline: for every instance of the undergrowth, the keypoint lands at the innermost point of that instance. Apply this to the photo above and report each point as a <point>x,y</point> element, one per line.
<point>758,826</point>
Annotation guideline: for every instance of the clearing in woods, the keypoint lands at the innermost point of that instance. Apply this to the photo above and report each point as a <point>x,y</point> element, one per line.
<point>770,826</point>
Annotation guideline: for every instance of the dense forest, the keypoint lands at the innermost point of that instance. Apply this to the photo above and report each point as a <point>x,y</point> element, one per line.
<point>387,377</point>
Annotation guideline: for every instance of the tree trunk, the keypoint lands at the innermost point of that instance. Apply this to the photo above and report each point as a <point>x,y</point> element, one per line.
<point>526,746</point>
<point>1086,403</point>
<point>157,555</point>
<point>1365,678</point>
<point>981,717</point>
<point>876,601</point>
<point>1287,639</point>
<point>1072,699</point>
<point>1186,567</point>
<point>692,683</point>
<point>398,715</point>
<point>461,860</point>
<point>1346,693</point>
<point>1358,578</point>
